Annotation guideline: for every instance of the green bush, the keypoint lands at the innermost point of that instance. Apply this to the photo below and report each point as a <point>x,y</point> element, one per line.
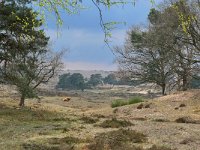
<point>120,102</point>
<point>117,103</point>
<point>135,100</point>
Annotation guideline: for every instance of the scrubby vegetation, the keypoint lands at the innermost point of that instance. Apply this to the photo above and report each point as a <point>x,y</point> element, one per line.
<point>117,140</point>
<point>155,147</point>
<point>114,123</point>
<point>187,119</point>
<point>119,102</point>
<point>89,120</point>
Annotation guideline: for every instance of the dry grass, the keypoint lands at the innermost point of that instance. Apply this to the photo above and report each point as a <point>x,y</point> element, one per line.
<point>117,140</point>
<point>54,124</point>
<point>114,123</point>
<point>187,119</point>
<point>89,120</point>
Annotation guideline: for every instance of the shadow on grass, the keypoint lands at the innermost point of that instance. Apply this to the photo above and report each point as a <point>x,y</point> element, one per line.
<point>114,123</point>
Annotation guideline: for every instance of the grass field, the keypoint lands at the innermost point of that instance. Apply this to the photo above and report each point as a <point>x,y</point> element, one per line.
<point>88,122</point>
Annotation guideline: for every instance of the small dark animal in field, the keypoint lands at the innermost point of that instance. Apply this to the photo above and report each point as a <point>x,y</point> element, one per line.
<point>66,99</point>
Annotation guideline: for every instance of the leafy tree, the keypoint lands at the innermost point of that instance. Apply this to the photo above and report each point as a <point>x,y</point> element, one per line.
<point>25,59</point>
<point>162,53</point>
<point>110,79</point>
<point>95,79</point>
<point>188,16</point>
<point>143,60</point>
<point>185,56</point>
<point>75,81</point>
<point>64,81</point>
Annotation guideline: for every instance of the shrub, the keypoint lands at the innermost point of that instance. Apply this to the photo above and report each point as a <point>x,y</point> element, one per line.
<point>117,140</point>
<point>135,100</point>
<point>187,119</point>
<point>121,102</point>
<point>118,103</point>
<point>114,123</point>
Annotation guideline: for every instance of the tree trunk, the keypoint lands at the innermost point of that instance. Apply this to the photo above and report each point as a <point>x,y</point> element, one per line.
<point>21,104</point>
<point>163,89</point>
<point>185,83</point>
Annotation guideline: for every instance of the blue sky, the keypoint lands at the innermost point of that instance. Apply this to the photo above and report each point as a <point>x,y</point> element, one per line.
<point>83,37</point>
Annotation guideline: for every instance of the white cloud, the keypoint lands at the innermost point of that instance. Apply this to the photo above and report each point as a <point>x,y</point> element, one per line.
<point>77,38</point>
<point>87,50</point>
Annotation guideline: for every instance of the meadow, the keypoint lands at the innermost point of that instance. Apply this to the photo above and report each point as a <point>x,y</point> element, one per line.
<point>88,121</point>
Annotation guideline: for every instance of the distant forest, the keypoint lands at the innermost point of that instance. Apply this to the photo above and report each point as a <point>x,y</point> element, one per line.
<point>76,81</point>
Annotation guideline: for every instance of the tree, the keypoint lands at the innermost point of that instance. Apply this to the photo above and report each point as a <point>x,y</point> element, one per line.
<point>64,81</point>
<point>185,56</point>
<point>25,61</point>
<point>162,53</point>
<point>145,57</point>
<point>95,79</point>
<point>110,79</point>
<point>188,13</point>
<point>75,81</point>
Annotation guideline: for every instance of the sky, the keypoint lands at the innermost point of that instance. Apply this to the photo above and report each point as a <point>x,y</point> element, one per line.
<point>82,36</point>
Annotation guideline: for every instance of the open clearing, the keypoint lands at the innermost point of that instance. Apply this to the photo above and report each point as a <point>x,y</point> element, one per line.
<point>87,122</point>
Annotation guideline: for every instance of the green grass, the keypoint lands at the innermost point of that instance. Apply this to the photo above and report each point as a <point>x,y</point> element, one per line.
<point>17,126</point>
<point>135,100</point>
<point>120,102</point>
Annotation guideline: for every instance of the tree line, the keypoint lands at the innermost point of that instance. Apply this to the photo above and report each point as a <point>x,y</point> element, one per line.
<point>76,81</point>
<point>167,51</point>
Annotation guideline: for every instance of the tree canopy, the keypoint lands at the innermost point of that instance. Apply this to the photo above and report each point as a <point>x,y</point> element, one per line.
<point>162,53</point>
<point>25,59</point>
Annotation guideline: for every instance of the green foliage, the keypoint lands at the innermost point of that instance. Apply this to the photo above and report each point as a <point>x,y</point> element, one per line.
<point>118,103</point>
<point>154,16</point>
<point>95,79</point>
<point>135,100</point>
<point>110,79</point>
<point>29,123</point>
<point>25,60</point>
<point>162,53</point>
<point>75,81</point>
<point>63,81</point>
